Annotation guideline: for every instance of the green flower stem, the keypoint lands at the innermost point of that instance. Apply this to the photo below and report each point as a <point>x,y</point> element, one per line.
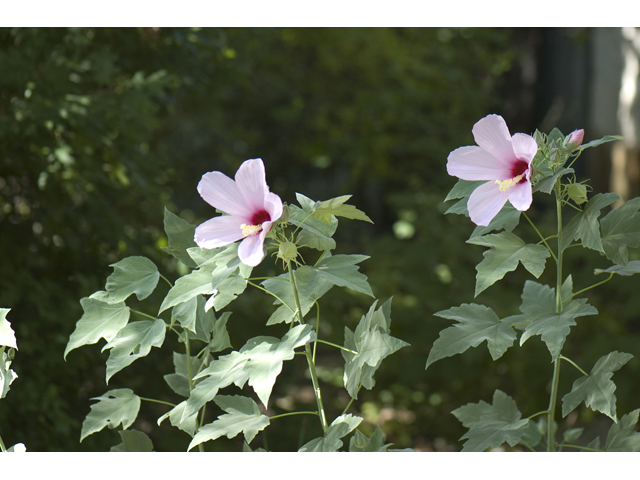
<point>344,412</point>
<point>187,347</point>
<point>579,447</point>
<point>562,357</point>
<point>553,400</point>
<point>315,344</point>
<point>337,346</point>
<point>308,353</point>
<point>544,240</point>
<point>157,401</point>
<point>292,413</point>
<point>589,288</point>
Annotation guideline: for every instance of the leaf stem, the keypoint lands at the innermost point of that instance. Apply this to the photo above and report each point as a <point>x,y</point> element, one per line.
<point>579,447</point>
<point>272,294</point>
<point>143,314</point>
<point>166,280</point>
<point>308,353</point>
<point>157,401</point>
<point>337,346</point>
<point>541,237</point>
<point>292,413</point>
<point>589,288</point>
<point>562,357</point>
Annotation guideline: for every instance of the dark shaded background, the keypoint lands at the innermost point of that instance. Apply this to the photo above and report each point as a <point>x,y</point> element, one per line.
<point>102,128</point>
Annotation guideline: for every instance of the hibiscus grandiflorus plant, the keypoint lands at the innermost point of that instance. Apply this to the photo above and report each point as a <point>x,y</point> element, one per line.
<point>220,256</point>
<point>498,178</point>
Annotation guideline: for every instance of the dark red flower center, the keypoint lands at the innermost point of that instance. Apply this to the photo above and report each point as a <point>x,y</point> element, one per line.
<point>518,170</point>
<point>260,217</point>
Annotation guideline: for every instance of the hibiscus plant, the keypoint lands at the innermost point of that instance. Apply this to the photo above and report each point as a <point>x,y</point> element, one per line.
<point>220,256</point>
<point>8,347</point>
<point>498,178</point>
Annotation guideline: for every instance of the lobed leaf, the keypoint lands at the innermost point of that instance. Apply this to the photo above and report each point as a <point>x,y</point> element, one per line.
<point>189,286</point>
<point>243,416</point>
<point>476,324</point>
<point>120,406</point>
<point>7,335</point>
<point>491,425</point>
<point>584,225</point>
<point>505,253</point>
<point>180,235</point>
<point>99,320</point>
<point>631,268</point>
<point>622,436</point>
<point>133,441</point>
<point>7,376</point>
<point>325,210</point>
<point>620,231</point>
<point>340,270</point>
<point>597,389</point>
<point>131,275</point>
<point>330,441</point>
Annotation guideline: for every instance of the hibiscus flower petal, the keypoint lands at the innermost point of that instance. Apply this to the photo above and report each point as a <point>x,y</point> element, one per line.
<point>521,196</point>
<point>473,163</point>
<point>222,193</point>
<point>273,205</point>
<point>218,232</point>
<point>251,181</point>
<point>524,146</point>
<point>492,134</point>
<point>485,202</point>
<point>251,249</point>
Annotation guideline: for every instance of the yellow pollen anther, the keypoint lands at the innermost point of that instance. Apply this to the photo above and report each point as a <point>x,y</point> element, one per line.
<point>249,230</point>
<point>507,184</point>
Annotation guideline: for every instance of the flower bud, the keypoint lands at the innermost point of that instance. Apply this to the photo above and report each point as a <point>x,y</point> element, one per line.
<point>577,192</point>
<point>576,137</point>
<point>287,251</point>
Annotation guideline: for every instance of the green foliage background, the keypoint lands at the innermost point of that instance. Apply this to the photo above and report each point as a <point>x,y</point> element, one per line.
<point>101,128</point>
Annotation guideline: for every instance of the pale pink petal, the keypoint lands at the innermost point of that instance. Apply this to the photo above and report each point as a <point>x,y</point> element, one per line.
<point>473,163</point>
<point>521,196</point>
<point>221,192</point>
<point>485,202</point>
<point>251,181</point>
<point>492,134</point>
<point>524,146</point>
<point>251,249</point>
<point>273,205</point>
<point>219,231</point>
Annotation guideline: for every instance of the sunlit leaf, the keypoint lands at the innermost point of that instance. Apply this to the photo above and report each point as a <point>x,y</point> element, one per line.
<point>631,268</point>
<point>131,275</point>
<point>115,407</point>
<point>189,286</point>
<point>330,441</point>
<point>180,237</point>
<point>243,416</point>
<point>324,210</point>
<point>7,376</point>
<point>597,389</point>
<point>133,342</point>
<point>361,443</point>
<point>7,335</point>
<point>491,425</point>
<point>133,441</point>
<point>99,320</point>
<point>476,324</point>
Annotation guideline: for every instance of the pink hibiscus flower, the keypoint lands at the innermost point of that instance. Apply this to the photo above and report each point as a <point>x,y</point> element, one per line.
<point>503,160</point>
<point>252,210</point>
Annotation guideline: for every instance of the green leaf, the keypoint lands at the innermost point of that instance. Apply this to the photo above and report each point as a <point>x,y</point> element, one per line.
<point>195,283</point>
<point>330,441</point>
<point>477,324</point>
<point>179,381</point>
<point>228,290</point>
<point>546,184</point>
<point>584,225</point>
<point>313,233</point>
<point>507,219</point>
<point>324,210</point>
<point>185,313</point>
<point>243,416</point>
<point>491,425</point>
<point>177,417</point>
<point>7,335</point>
<point>180,237</point>
<point>463,189</point>
<point>120,406</point>
<point>622,437</point>
<point>506,251</point>
<point>259,361</point>
<point>621,230</point>
<point>605,139</point>
<point>341,270</point>
<point>133,441</point>
<point>99,320</point>
<point>554,327</point>
<point>7,376</point>
<point>131,275</point>
<point>372,342</point>
<point>631,268</point>
<point>133,342</point>
<point>596,390</point>
<point>361,443</point>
